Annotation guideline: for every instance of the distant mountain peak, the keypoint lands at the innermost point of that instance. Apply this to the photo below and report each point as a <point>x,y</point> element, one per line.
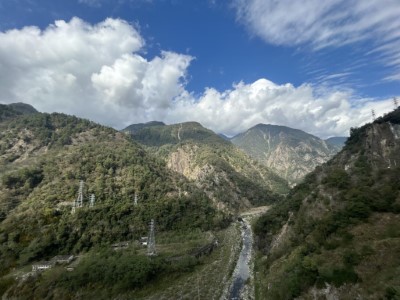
<point>154,135</point>
<point>9,111</point>
<point>24,108</point>
<point>290,152</point>
<point>133,128</point>
<point>337,141</point>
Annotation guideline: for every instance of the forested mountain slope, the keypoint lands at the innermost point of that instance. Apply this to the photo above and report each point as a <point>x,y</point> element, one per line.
<point>42,159</point>
<point>338,233</point>
<point>225,173</point>
<point>9,111</point>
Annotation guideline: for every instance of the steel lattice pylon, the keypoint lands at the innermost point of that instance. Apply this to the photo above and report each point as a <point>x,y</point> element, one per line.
<point>151,241</point>
<point>91,200</point>
<point>79,200</point>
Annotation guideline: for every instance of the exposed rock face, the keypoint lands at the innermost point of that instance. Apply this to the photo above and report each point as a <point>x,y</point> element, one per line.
<point>225,173</point>
<point>182,161</point>
<point>379,141</point>
<point>340,226</point>
<point>212,179</point>
<point>291,153</point>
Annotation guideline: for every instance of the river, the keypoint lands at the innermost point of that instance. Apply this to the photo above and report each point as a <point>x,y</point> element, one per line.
<point>242,272</point>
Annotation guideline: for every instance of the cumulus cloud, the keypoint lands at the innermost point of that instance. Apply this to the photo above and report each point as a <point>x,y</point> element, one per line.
<point>322,111</point>
<point>95,71</point>
<point>99,72</point>
<point>329,23</point>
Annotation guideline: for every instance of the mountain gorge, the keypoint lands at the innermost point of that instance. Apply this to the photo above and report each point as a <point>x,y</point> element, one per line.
<point>226,174</point>
<point>338,141</point>
<point>291,153</point>
<point>337,234</point>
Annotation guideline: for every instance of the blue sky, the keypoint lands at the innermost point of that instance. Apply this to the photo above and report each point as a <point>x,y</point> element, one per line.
<point>230,64</point>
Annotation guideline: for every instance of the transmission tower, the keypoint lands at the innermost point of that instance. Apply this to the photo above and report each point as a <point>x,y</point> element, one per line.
<point>91,200</point>
<point>396,103</point>
<point>135,201</point>
<point>79,200</point>
<point>373,114</point>
<point>151,241</point>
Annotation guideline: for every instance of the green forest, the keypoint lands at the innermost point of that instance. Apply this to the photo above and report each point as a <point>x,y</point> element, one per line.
<point>326,215</point>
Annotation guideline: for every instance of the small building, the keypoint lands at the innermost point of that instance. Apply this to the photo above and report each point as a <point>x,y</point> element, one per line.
<point>43,265</point>
<point>120,245</point>
<point>143,240</point>
<point>63,259</point>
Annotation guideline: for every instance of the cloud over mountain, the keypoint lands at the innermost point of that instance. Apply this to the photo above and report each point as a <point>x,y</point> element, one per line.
<point>100,72</point>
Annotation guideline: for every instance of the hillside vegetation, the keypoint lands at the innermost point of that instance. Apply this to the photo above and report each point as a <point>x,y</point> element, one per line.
<point>338,233</point>
<point>226,174</point>
<point>15,109</point>
<point>42,159</point>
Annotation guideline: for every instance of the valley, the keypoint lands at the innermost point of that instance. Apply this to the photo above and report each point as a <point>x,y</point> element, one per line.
<point>199,150</point>
<point>225,226</point>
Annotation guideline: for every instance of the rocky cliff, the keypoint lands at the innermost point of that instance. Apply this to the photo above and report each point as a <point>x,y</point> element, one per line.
<point>228,176</point>
<point>291,153</point>
<point>337,234</point>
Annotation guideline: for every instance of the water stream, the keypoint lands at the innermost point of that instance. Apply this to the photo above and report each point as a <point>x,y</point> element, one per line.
<point>242,269</point>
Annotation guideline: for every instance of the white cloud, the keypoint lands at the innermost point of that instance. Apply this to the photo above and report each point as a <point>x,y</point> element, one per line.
<point>94,71</point>
<point>329,23</point>
<point>322,111</point>
<point>98,72</point>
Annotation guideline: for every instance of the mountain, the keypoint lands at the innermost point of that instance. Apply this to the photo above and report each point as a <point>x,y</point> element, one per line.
<point>338,233</point>
<point>291,153</point>
<point>225,173</point>
<point>8,111</point>
<point>338,141</point>
<point>224,136</point>
<point>132,129</point>
<point>42,159</point>
<point>23,108</point>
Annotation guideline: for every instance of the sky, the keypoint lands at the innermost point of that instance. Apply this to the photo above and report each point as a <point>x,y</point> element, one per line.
<point>319,66</point>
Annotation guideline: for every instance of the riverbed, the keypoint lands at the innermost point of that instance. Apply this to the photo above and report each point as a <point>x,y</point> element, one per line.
<point>242,273</point>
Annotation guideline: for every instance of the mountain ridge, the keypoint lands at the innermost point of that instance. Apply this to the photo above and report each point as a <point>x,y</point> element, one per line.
<point>42,159</point>
<point>291,153</point>
<point>212,162</point>
<point>338,141</point>
<point>9,111</point>
<point>337,234</point>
